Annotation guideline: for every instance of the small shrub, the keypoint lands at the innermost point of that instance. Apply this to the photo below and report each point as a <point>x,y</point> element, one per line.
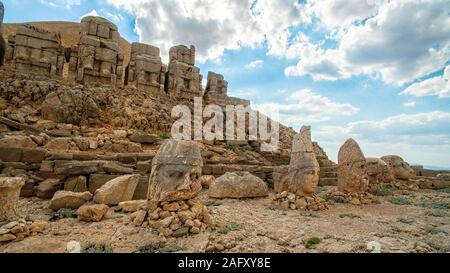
<point>312,242</point>
<point>164,135</point>
<point>349,215</point>
<point>435,205</point>
<point>172,248</point>
<point>96,248</point>
<point>275,207</point>
<point>435,213</point>
<point>152,248</point>
<point>336,199</point>
<point>447,190</point>
<point>400,201</point>
<point>231,227</point>
<point>62,214</point>
<point>212,203</point>
<point>434,230</point>
<point>384,191</point>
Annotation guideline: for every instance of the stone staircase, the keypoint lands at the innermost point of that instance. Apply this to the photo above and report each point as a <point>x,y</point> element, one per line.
<point>328,172</point>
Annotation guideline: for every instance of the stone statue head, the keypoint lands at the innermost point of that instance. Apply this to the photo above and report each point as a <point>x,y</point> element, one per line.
<point>304,169</point>
<point>176,172</point>
<point>401,169</point>
<point>378,171</point>
<point>352,171</point>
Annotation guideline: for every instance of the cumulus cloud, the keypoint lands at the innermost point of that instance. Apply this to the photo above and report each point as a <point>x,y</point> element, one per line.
<point>437,86</point>
<point>212,26</point>
<point>430,128</point>
<point>254,64</point>
<point>400,42</point>
<point>61,3</point>
<point>306,106</point>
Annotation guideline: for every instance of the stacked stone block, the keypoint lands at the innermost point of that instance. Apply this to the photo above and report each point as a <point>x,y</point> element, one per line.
<point>96,58</point>
<point>184,79</point>
<point>36,50</point>
<point>146,70</point>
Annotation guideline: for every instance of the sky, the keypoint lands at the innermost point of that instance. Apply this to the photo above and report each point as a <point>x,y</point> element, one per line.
<point>374,70</point>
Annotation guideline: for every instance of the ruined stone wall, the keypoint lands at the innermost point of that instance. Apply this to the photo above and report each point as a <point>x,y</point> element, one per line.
<point>184,79</point>
<point>146,70</point>
<point>96,58</point>
<point>35,50</point>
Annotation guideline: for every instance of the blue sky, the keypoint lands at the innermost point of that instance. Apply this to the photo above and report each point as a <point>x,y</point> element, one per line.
<point>373,70</point>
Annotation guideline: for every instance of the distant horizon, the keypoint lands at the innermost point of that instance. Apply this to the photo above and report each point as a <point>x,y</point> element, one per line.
<point>375,71</point>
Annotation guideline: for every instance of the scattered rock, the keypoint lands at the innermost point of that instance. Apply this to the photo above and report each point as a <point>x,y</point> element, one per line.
<point>92,213</point>
<point>66,199</point>
<point>238,185</point>
<point>117,190</point>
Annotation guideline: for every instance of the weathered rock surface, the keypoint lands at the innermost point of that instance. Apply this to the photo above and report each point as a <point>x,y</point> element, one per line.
<point>9,196</point>
<point>303,174</point>
<point>92,213</point>
<point>71,200</point>
<point>117,190</point>
<point>176,170</point>
<point>238,185</point>
<point>133,206</point>
<point>378,171</point>
<point>48,188</point>
<point>399,167</point>
<point>352,171</point>
<point>143,137</point>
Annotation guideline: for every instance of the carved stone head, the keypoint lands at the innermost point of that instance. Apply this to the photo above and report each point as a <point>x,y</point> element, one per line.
<point>399,167</point>
<point>176,172</point>
<point>352,172</point>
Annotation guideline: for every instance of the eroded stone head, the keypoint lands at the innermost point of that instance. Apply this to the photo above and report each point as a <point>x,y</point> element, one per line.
<point>303,175</point>
<point>401,169</point>
<point>352,172</point>
<point>378,171</point>
<point>176,172</point>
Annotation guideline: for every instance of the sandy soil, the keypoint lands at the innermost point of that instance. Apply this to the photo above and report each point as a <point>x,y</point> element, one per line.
<point>421,226</point>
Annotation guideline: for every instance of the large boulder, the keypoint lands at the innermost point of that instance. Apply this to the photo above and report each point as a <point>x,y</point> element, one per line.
<point>401,169</point>
<point>117,190</point>
<point>238,185</point>
<point>70,200</point>
<point>92,213</point>
<point>9,197</point>
<point>352,170</point>
<point>176,172</point>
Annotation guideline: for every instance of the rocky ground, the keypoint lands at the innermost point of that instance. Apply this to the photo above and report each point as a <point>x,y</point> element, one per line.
<point>402,221</point>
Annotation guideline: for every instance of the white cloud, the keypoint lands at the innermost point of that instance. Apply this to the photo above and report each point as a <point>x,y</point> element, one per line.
<point>437,86</point>
<point>410,104</point>
<point>254,64</point>
<point>402,41</point>
<point>212,26</point>
<point>61,3</point>
<point>422,138</point>
<point>304,107</point>
<point>91,13</point>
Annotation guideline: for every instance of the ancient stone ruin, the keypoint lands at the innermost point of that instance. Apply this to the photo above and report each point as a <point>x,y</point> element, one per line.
<point>299,185</point>
<point>81,147</point>
<point>184,79</point>
<point>353,178</point>
<point>146,70</point>
<point>36,50</point>
<point>9,196</point>
<point>173,188</point>
<point>96,57</point>
<point>399,168</point>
